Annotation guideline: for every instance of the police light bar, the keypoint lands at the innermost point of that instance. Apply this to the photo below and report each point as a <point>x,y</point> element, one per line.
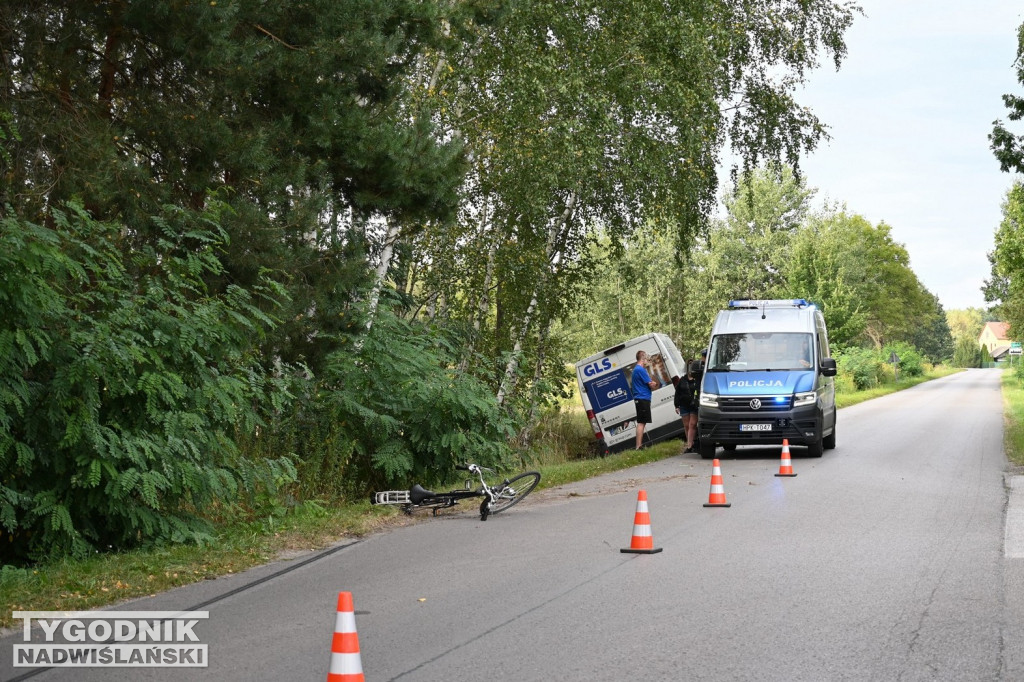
<point>771,303</point>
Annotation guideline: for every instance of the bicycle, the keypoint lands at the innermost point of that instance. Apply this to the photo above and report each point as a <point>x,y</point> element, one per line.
<point>496,498</point>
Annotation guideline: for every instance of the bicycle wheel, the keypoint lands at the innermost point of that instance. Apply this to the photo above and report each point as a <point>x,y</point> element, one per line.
<point>513,490</point>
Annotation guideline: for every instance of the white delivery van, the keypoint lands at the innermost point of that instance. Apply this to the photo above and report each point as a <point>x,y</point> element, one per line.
<point>768,377</point>
<point>605,384</point>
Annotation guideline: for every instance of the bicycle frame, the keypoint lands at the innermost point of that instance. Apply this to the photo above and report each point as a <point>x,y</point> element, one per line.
<point>419,497</point>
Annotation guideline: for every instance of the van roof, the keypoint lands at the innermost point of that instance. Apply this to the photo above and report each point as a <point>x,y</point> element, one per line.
<point>768,319</point>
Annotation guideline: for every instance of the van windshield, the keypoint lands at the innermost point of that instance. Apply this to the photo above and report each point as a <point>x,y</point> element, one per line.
<point>759,352</point>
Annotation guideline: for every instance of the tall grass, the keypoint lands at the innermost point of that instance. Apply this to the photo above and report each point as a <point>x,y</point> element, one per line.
<point>1013,417</point>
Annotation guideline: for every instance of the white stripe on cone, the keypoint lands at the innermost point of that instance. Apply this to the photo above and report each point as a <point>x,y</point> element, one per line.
<point>346,664</point>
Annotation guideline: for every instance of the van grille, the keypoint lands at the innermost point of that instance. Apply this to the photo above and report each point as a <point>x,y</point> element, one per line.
<point>769,403</point>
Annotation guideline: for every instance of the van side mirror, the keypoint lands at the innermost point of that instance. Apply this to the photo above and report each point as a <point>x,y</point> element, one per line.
<point>828,367</point>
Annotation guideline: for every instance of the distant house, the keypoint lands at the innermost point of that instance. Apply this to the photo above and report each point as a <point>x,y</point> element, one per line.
<point>995,338</point>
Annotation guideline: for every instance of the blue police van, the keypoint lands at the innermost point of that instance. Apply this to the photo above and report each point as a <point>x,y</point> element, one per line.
<point>769,376</point>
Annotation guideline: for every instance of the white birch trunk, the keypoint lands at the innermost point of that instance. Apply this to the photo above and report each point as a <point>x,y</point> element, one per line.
<point>381,273</point>
<point>508,382</point>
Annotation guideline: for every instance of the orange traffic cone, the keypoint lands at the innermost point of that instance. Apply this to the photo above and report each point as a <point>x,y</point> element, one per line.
<point>346,665</point>
<point>786,466</point>
<point>642,541</point>
<point>716,497</point>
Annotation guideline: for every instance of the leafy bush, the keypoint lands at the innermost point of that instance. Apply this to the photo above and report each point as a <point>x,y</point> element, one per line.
<point>391,408</point>
<point>911,362</point>
<point>967,353</point>
<point>861,365</point>
<point>122,385</point>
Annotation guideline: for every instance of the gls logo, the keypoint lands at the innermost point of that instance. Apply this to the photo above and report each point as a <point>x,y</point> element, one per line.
<point>595,368</point>
<point>617,393</point>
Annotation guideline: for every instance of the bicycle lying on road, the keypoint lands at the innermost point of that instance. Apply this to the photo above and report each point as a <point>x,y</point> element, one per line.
<point>496,498</point>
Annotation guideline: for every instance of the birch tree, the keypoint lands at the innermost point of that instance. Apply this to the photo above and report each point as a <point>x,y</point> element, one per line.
<point>625,107</point>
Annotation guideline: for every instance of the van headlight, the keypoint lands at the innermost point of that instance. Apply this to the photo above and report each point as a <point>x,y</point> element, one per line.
<point>805,398</point>
<point>708,400</point>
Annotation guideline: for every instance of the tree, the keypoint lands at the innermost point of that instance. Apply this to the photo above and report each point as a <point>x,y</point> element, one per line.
<point>1007,259</point>
<point>966,353</point>
<point>291,113</point>
<point>822,268</point>
<point>1007,147</point>
<point>932,337</point>
<point>750,248</point>
<point>123,393</point>
<point>864,276</point>
<point>607,117</point>
<point>188,198</point>
<point>967,323</point>
<point>640,291</point>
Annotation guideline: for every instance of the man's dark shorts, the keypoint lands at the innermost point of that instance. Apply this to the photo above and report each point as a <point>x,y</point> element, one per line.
<point>643,411</point>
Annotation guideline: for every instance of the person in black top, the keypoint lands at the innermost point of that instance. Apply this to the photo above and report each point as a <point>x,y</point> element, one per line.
<point>686,403</point>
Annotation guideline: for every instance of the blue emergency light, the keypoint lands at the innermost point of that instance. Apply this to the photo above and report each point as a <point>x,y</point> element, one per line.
<point>754,303</point>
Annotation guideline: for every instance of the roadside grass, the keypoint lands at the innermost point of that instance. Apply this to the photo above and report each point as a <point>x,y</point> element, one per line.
<point>95,582</point>
<point>1013,417</point>
<point>561,451</point>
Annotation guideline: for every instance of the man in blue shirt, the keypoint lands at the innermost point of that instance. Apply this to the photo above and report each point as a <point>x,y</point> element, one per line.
<point>642,387</point>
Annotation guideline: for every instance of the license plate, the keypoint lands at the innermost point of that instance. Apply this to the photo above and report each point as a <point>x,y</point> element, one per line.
<point>755,427</point>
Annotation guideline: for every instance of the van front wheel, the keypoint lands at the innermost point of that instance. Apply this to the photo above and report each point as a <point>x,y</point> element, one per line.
<point>830,440</point>
<point>816,446</point>
<point>706,449</point>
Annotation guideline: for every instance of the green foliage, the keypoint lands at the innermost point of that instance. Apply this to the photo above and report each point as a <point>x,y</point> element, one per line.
<point>410,410</point>
<point>863,366</point>
<point>933,337</point>
<point>1008,147</point>
<point>394,410</point>
<point>867,368</point>
<point>768,246</point>
<point>1007,284</point>
<point>634,292</point>
<point>966,353</point>
<point>911,363</point>
<point>122,391</point>
<point>1013,411</point>
<point>589,124</point>
<point>968,322</point>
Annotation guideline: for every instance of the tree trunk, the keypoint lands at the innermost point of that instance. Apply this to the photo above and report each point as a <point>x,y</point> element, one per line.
<point>508,382</point>
<point>538,371</point>
<point>382,271</point>
<point>483,303</point>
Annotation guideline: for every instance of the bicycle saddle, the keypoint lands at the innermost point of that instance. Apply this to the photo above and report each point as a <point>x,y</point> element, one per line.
<point>418,493</point>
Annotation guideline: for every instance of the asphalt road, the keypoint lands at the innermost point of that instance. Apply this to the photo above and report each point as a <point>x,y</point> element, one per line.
<point>890,558</point>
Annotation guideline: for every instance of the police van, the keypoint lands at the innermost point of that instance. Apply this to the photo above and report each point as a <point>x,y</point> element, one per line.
<point>769,376</point>
<point>605,383</point>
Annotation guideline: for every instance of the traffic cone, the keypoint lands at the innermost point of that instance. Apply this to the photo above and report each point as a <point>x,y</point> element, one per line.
<point>642,541</point>
<point>786,466</point>
<point>716,497</point>
<point>346,665</point>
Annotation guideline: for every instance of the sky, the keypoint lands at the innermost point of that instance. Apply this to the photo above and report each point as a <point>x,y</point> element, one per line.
<point>909,112</point>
